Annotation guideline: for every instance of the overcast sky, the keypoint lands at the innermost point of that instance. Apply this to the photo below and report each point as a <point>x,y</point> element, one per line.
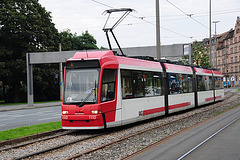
<point>176,26</point>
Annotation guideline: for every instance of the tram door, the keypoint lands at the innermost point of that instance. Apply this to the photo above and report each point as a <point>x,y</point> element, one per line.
<point>108,95</point>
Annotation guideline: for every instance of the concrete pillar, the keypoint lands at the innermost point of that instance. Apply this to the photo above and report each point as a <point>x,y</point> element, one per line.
<point>29,80</point>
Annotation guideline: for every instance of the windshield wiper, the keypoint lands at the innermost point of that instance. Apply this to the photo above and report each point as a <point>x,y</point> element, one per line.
<point>93,91</point>
<point>87,97</point>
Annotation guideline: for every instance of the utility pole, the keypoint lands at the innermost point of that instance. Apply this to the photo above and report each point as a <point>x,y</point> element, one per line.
<point>190,54</point>
<point>215,39</point>
<point>158,41</point>
<point>60,74</point>
<point>210,33</point>
<point>215,22</point>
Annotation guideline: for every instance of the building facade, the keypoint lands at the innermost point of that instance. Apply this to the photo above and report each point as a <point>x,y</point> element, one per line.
<point>228,55</point>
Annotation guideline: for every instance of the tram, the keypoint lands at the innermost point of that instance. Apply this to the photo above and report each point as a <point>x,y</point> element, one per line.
<point>103,89</point>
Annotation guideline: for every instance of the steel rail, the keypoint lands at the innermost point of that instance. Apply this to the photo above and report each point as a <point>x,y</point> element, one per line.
<point>169,137</point>
<point>57,147</point>
<point>35,141</point>
<point>210,137</point>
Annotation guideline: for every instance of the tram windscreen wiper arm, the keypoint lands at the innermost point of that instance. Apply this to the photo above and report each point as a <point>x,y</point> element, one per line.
<point>93,91</point>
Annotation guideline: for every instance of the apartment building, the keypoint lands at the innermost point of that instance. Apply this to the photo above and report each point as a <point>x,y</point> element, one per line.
<point>228,55</point>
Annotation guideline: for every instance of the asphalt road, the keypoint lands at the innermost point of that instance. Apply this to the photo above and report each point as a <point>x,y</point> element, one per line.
<point>27,117</point>
<point>224,145</point>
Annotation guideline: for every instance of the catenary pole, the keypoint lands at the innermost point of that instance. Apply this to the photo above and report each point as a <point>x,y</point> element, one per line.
<point>60,74</point>
<point>210,32</point>
<point>158,41</point>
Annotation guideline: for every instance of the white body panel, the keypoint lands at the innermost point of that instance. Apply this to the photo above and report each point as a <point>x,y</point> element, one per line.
<point>203,96</point>
<point>132,107</point>
<point>179,99</point>
<point>218,93</point>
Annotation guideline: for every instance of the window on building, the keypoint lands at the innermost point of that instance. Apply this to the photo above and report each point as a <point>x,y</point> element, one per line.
<point>231,69</point>
<point>231,59</point>
<point>236,59</point>
<point>218,62</point>
<point>235,40</point>
<point>236,68</point>
<point>231,50</point>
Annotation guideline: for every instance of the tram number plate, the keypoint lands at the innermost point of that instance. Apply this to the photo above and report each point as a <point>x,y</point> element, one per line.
<point>65,117</point>
<point>92,117</point>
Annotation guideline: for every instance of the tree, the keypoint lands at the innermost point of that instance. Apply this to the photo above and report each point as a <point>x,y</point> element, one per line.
<point>25,26</point>
<point>71,41</point>
<point>200,56</point>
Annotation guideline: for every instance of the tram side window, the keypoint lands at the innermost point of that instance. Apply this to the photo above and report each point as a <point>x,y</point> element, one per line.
<point>218,83</point>
<point>200,82</point>
<point>204,83</point>
<point>140,84</point>
<point>187,83</point>
<point>138,79</point>
<point>175,83</point>
<point>126,84</point>
<point>148,80</point>
<point>108,85</point>
<point>210,83</point>
<point>157,84</point>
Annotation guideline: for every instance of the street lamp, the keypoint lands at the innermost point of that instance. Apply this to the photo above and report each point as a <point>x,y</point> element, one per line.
<point>216,26</point>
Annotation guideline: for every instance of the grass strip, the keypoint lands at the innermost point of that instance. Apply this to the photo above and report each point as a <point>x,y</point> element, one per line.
<point>29,130</point>
<point>3,102</point>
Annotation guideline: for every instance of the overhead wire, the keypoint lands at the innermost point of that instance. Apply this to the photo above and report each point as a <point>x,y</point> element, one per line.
<point>189,15</point>
<point>145,21</point>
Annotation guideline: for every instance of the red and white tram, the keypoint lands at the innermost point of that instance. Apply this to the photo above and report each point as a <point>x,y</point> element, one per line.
<point>103,90</point>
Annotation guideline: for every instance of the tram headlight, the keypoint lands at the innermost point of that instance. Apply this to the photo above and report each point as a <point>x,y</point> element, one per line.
<point>95,111</point>
<point>64,112</point>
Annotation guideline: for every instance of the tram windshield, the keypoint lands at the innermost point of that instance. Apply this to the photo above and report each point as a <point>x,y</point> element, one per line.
<point>81,86</point>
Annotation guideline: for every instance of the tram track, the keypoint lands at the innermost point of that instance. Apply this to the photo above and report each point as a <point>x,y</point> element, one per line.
<point>78,156</point>
<point>36,141</point>
<point>95,143</point>
<point>207,139</point>
<point>57,147</point>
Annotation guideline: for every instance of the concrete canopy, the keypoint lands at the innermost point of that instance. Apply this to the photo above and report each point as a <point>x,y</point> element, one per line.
<point>176,50</point>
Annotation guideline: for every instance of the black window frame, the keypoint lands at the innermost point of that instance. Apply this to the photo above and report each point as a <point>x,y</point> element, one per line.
<point>110,95</point>
<point>139,77</point>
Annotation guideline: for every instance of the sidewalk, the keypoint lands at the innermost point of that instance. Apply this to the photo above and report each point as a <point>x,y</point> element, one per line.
<point>25,106</point>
